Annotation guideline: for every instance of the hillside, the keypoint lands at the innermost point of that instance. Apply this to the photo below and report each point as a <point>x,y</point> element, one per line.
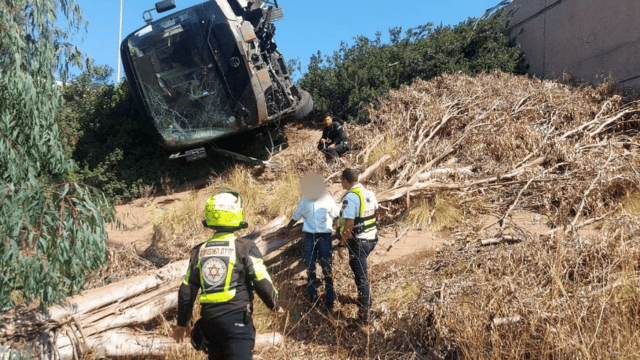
<point>520,200</point>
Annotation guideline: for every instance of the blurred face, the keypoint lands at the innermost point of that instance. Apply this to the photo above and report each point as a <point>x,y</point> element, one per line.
<point>312,186</point>
<point>327,121</point>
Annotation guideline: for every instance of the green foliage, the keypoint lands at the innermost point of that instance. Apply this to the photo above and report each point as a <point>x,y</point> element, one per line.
<point>51,235</point>
<point>102,133</point>
<point>357,75</point>
<point>6,353</point>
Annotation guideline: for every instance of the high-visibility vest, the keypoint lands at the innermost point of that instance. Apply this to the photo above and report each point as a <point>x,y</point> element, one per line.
<point>366,219</point>
<point>216,262</point>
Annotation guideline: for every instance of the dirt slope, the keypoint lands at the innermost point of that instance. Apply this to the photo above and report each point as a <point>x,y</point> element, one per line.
<point>545,170</point>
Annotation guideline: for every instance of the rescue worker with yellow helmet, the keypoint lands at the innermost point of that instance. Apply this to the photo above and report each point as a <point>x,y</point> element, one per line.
<point>358,231</point>
<point>226,269</point>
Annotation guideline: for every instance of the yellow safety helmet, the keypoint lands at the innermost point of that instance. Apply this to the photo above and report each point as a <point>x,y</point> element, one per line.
<point>224,211</point>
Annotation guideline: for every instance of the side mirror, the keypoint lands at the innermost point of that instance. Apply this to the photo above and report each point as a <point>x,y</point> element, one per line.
<point>165,5</point>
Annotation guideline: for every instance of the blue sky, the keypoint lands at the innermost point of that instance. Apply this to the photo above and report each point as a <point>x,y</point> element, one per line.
<point>308,26</point>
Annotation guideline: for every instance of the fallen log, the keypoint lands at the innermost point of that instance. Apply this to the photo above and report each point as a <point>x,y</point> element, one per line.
<point>500,240</point>
<point>116,292</point>
<point>125,342</point>
<point>446,171</point>
<point>278,242</point>
<point>137,310</point>
<point>272,226</point>
<point>365,175</point>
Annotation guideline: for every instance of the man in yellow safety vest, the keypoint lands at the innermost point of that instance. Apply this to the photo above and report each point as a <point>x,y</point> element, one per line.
<point>359,233</point>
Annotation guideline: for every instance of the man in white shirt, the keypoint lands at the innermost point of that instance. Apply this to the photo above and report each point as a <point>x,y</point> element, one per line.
<point>359,233</point>
<point>318,216</point>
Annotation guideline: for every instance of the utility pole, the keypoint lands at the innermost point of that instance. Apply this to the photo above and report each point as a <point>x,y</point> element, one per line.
<point>119,40</point>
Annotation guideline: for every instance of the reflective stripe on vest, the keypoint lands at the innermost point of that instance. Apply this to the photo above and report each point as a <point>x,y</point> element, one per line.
<point>366,221</point>
<point>216,265</point>
<point>260,269</point>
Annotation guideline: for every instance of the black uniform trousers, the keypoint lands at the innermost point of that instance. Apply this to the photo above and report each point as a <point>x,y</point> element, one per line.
<point>230,337</point>
<point>339,149</point>
<point>359,250</point>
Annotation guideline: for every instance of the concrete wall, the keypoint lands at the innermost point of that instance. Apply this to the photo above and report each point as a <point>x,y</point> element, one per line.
<point>591,39</point>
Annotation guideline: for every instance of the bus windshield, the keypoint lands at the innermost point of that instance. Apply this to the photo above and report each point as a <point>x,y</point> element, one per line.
<point>180,81</point>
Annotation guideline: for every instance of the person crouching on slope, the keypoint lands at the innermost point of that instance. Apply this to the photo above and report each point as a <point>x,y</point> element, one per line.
<point>226,269</point>
<point>334,142</point>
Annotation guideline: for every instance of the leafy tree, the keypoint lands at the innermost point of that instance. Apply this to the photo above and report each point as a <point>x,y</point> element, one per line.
<point>354,76</point>
<point>103,133</point>
<point>51,234</point>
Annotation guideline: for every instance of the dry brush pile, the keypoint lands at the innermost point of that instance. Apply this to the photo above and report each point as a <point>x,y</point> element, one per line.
<point>566,152</point>
<point>500,144</point>
<point>495,145</point>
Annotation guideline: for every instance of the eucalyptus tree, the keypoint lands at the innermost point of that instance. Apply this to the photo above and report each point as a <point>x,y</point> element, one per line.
<point>52,231</point>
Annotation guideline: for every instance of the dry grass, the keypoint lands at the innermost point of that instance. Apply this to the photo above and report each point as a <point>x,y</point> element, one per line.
<point>436,213</point>
<point>184,217</point>
<point>561,297</point>
<point>419,215</point>
<point>445,212</point>
<point>401,295</point>
<point>285,196</point>
<point>241,180</point>
<point>631,202</point>
<point>389,146</point>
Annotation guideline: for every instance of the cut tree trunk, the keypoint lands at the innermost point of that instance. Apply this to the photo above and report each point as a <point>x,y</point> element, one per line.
<point>125,342</point>
<point>117,292</point>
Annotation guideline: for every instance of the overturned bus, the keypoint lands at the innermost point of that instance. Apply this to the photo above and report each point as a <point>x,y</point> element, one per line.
<point>209,71</point>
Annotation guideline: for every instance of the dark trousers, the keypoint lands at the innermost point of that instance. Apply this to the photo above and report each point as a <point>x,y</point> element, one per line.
<point>339,149</point>
<point>317,247</point>
<point>230,337</point>
<point>358,252</point>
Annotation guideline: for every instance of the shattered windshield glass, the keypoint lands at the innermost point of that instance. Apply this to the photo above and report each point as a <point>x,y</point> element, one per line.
<point>180,81</point>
